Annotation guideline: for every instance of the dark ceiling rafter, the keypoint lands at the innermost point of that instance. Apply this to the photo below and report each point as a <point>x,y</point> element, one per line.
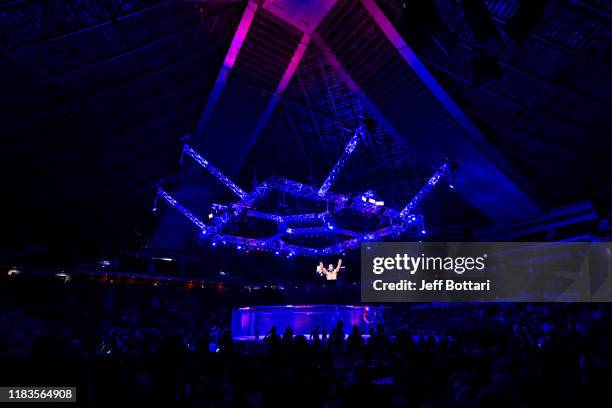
<point>91,27</point>
<point>556,44</point>
<point>367,81</point>
<point>526,108</point>
<point>573,130</point>
<point>506,64</point>
<point>592,10</point>
<point>117,135</point>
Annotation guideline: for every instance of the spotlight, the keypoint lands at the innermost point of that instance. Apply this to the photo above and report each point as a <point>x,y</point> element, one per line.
<point>155,200</point>
<point>422,230</point>
<point>451,175</point>
<point>164,259</point>
<point>13,272</point>
<point>64,276</point>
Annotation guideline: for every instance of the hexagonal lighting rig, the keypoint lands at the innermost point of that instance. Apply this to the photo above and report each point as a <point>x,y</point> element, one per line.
<point>321,226</point>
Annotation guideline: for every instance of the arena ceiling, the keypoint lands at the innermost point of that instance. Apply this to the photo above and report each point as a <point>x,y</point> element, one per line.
<point>98,97</point>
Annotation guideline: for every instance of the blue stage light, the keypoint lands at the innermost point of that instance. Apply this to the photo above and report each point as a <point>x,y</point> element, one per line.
<point>195,220</point>
<point>393,223</point>
<point>418,198</point>
<point>348,150</point>
<point>214,171</point>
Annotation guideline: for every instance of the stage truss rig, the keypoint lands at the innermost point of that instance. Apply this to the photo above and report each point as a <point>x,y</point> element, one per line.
<point>392,222</point>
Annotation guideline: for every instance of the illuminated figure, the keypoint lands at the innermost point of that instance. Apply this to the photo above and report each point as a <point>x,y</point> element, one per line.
<point>331,273</point>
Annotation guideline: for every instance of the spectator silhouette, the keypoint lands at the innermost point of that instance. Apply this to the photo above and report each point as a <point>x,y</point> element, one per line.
<point>336,338</point>
<point>272,340</point>
<point>355,343</point>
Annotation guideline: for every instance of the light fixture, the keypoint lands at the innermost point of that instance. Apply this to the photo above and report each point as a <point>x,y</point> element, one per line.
<point>393,222</point>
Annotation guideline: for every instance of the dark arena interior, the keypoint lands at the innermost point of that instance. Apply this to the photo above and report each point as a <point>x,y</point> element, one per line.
<point>190,189</point>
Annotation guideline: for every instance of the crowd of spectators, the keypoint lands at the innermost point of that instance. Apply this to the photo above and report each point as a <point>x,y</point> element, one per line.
<point>171,346</point>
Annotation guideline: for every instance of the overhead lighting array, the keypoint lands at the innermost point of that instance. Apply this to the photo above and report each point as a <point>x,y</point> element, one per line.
<point>392,223</point>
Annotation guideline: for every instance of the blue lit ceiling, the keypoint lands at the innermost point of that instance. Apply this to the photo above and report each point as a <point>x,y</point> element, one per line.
<point>97,97</point>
